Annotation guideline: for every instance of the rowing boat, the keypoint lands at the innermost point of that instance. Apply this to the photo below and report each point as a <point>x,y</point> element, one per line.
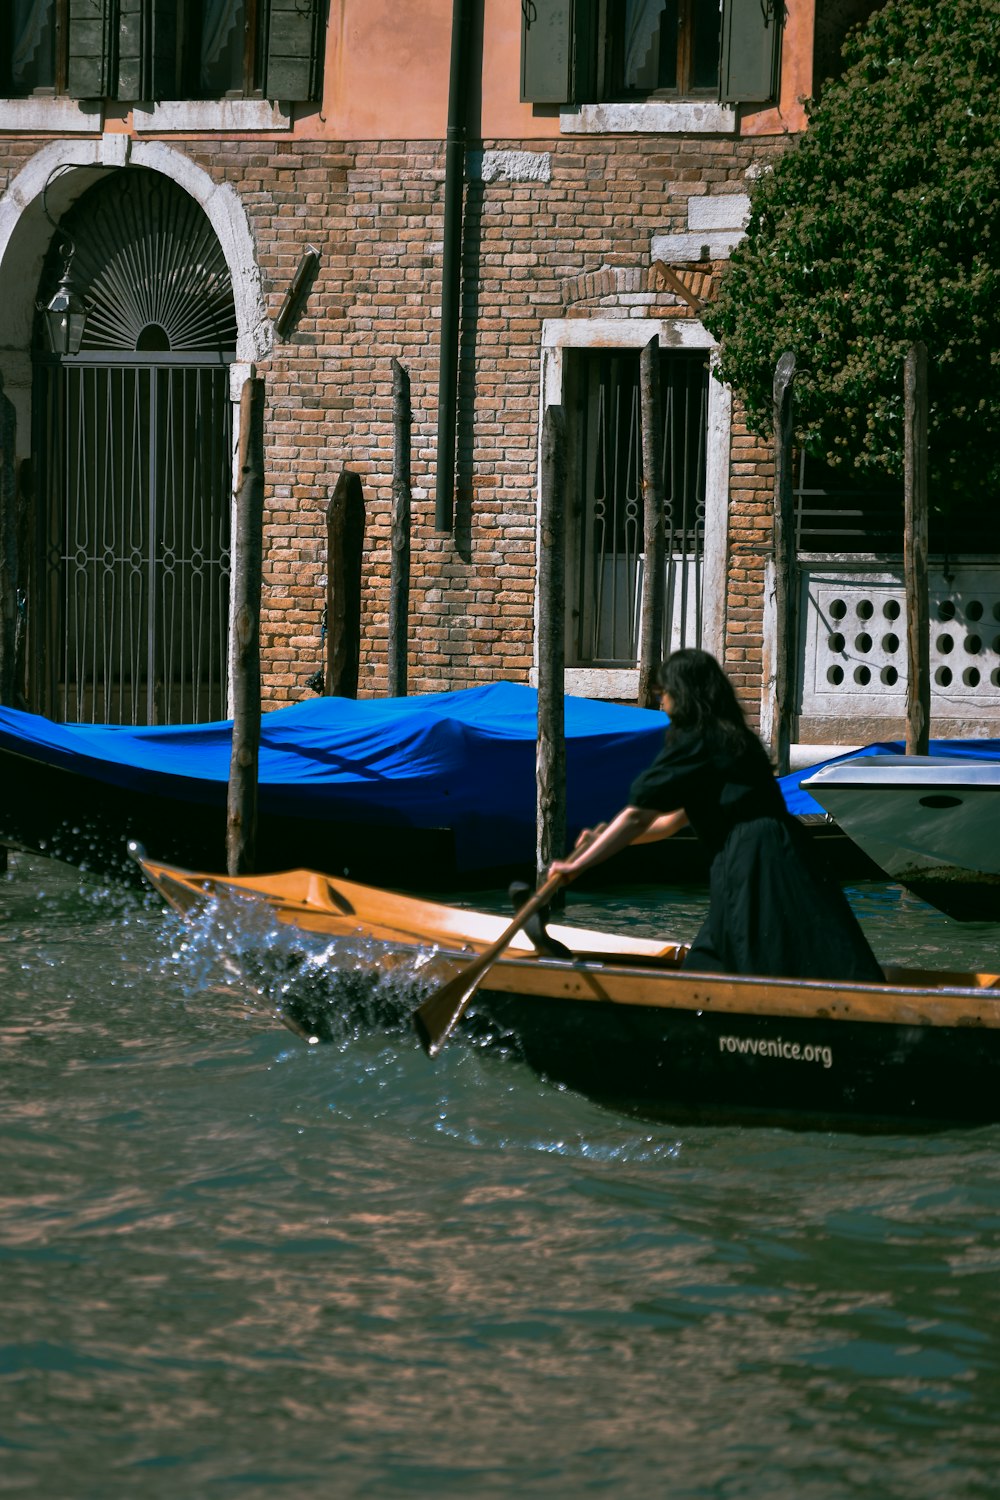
<point>618,1019</point>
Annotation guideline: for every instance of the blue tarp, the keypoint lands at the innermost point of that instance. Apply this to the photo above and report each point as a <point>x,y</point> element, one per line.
<point>462,760</point>
<point>800,802</point>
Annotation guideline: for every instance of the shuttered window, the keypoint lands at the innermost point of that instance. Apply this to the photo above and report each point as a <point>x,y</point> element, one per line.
<point>547,43</point>
<point>589,51</point>
<point>751,46</point>
<point>90,36</point>
<point>146,50</point>
<point>294,49</point>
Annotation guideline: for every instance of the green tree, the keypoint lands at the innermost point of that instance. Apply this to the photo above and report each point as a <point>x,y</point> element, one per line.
<point>878,228</point>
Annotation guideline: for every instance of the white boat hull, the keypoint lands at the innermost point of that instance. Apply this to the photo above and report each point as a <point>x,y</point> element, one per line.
<point>932,824</point>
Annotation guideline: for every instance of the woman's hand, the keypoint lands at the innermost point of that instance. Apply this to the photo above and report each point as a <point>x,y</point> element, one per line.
<point>598,844</point>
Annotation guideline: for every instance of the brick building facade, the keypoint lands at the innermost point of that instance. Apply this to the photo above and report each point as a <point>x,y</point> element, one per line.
<point>569,212</point>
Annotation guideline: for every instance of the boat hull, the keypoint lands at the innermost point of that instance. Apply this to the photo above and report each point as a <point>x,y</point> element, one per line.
<point>682,1064</point>
<point>621,1020</point>
<point>89,823</point>
<point>928,823</point>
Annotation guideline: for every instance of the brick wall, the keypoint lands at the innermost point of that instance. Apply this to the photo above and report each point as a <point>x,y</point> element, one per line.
<point>577,244</point>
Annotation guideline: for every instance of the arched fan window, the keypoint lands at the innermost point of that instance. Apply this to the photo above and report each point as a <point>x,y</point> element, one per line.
<point>149,266</point>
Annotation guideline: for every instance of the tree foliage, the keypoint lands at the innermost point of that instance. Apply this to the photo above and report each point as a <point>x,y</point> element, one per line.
<point>876,229</point>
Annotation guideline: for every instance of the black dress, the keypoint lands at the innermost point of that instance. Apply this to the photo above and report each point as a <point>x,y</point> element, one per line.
<point>772,910</point>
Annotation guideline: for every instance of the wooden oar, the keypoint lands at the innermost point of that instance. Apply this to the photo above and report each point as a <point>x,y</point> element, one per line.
<point>441,1012</point>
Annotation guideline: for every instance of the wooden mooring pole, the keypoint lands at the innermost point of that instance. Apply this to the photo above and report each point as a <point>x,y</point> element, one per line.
<point>550,764</point>
<point>399,574</point>
<point>918,650</point>
<point>8,563</point>
<point>345,532</point>
<point>654,582</point>
<point>785,569</point>
<point>241,819</point>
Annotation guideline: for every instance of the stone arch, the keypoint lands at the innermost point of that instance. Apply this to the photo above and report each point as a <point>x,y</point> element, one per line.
<point>25,234</point>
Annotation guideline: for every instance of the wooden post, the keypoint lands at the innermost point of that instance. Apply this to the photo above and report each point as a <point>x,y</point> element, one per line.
<point>8,564</point>
<point>918,650</point>
<point>241,821</point>
<point>8,550</point>
<point>399,576</point>
<point>550,764</point>
<point>25,530</point>
<point>651,624</point>
<point>785,569</point>
<point>345,530</point>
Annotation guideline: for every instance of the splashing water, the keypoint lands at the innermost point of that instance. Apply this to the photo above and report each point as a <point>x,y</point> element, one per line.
<point>326,990</point>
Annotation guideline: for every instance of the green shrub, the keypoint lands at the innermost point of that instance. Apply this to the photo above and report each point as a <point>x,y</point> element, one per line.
<point>876,229</point>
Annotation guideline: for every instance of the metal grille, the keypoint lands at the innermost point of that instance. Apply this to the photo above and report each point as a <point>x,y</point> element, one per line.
<point>149,266</point>
<point>839,512</point>
<point>137,521</point>
<point>606,485</point>
<point>129,611</point>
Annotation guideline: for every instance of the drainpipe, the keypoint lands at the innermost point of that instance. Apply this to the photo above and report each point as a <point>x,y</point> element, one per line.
<point>451,275</point>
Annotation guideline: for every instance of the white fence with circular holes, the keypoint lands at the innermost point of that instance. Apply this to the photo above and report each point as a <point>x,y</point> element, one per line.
<point>853,643</point>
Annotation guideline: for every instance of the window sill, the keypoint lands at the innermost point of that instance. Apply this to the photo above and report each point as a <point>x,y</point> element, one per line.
<point>618,683</point>
<point>658,117</point>
<point>63,116</point>
<point>210,114</point>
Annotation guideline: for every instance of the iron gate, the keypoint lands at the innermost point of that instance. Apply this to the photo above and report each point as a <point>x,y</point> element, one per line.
<point>129,595</point>
<point>606,488</point>
<point>133,526</point>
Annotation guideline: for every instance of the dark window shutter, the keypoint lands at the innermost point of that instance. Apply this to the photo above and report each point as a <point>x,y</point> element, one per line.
<point>751,47</point>
<point>547,51</point>
<point>130,50</point>
<point>147,50</point>
<point>163,66</point>
<point>293,50</point>
<point>89,71</point>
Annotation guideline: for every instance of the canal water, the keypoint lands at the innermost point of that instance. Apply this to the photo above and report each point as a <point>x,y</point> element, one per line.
<point>235,1265</point>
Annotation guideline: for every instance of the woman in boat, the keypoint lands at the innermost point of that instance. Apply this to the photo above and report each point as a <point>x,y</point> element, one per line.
<point>772,909</point>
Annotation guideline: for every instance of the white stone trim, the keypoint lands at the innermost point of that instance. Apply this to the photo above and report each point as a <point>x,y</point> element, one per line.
<point>559,334</point>
<point>619,683</point>
<point>509,166</point>
<point>706,245</point>
<point>52,116</point>
<point>210,114</point>
<point>719,211</point>
<point>656,116</point>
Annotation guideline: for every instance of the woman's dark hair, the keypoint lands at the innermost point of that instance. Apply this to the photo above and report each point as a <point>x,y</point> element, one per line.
<point>702,697</point>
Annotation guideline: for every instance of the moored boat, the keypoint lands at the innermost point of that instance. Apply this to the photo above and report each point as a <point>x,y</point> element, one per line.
<point>929,821</point>
<point>424,792</point>
<point>621,1021</point>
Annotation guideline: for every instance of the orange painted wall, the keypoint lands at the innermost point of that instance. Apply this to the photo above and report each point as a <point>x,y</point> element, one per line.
<point>387,68</point>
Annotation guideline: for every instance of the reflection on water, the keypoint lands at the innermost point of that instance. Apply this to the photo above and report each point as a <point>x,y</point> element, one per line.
<point>234,1263</point>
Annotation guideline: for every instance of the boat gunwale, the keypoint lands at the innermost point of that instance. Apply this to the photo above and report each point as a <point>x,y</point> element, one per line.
<point>673,984</point>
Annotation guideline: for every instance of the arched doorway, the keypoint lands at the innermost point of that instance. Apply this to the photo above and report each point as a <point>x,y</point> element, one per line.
<point>132,450</point>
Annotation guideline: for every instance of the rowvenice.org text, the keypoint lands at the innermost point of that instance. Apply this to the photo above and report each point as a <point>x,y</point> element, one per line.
<point>775,1047</point>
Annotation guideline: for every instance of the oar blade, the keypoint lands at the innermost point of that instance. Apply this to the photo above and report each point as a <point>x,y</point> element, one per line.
<point>441,1012</point>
